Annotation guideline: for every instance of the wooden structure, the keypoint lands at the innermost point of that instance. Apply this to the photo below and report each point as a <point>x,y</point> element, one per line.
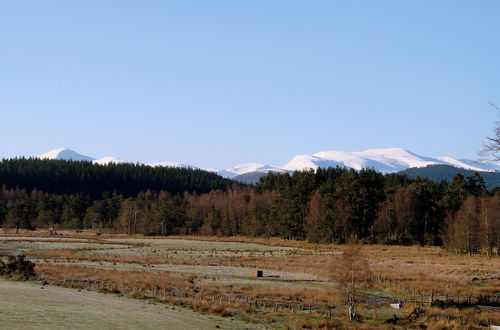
<point>257,273</point>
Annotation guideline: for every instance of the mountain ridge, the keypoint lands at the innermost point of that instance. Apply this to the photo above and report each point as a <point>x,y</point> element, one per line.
<point>385,160</point>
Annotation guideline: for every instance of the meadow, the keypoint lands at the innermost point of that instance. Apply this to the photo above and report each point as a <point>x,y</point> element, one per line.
<point>52,307</point>
<point>213,277</point>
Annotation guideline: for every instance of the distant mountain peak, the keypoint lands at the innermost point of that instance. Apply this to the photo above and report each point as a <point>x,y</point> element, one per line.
<point>251,167</point>
<point>64,154</point>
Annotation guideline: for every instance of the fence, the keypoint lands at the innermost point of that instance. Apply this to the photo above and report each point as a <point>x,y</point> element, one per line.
<point>321,308</point>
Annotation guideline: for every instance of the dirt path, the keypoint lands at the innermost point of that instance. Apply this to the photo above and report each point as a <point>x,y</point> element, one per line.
<point>28,306</point>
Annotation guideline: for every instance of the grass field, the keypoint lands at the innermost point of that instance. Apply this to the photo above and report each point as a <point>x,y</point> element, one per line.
<point>31,306</point>
<point>212,276</point>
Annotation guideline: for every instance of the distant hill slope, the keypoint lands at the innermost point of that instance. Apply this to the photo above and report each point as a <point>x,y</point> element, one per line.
<point>447,172</point>
<point>250,178</point>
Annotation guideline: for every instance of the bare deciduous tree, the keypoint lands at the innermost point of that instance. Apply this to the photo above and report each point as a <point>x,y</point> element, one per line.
<point>313,226</point>
<point>351,271</point>
<point>489,222</point>
<point>492,147</point>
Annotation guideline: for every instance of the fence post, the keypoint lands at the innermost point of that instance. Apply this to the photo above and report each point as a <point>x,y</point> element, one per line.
<point>431,298</point>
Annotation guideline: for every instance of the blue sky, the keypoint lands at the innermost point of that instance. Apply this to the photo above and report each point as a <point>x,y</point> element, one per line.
<point>219,83</point>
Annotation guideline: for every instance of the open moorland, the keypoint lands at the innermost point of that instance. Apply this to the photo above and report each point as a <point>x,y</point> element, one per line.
<point>118,281</point>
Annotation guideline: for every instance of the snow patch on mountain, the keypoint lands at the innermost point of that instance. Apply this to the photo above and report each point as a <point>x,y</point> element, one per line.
<point>111,160</point>
<point>381,160</point>
<point>64,154</point>
<point>171,164</point>
<point>223,173</point>
<point>398,156</point>
<point>252,167</point>
<point>388,160</point>
<point>472,164</point>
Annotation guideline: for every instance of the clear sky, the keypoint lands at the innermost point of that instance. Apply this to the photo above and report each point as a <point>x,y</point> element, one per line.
<point>219,83</point>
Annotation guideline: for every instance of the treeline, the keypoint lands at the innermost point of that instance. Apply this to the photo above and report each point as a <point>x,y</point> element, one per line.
<point>475,227</point>
<point>69,177</point>
<point>327,205</point>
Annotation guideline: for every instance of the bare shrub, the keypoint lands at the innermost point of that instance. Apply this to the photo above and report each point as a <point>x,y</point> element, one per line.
<point>18,268</point>
<point>351,271</point>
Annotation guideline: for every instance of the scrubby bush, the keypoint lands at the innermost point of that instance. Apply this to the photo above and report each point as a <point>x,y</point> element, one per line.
<point>18,267</point>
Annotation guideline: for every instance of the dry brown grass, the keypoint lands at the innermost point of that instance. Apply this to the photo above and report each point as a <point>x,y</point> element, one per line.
<point>413,269</point>
<point>400,271</point>
<point>198,292</point>
<point>202,294</point>
<point>453,318</point>
<point>271,241</point>
<point>133,279</point>
<point>421,269</point>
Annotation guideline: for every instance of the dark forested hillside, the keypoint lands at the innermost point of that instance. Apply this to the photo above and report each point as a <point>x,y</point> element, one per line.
<point>69,177</point>
<point>446,172</point>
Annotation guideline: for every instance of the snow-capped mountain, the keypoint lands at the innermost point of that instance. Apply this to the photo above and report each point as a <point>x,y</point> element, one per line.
<point>387,160</point>
<point>252,167</point>
<point>68,154</point>
<point>65,154</point>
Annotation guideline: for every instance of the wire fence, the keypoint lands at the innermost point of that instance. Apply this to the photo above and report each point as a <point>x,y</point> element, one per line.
<point>287,304</point>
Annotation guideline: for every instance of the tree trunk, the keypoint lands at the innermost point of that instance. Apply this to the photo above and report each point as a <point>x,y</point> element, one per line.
<point>351,310</point>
